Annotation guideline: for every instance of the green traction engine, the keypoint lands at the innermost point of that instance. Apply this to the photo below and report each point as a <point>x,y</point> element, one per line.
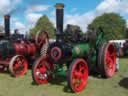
<point>75,57</point>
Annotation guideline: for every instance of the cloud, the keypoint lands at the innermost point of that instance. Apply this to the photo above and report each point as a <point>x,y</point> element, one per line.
<point>7,6</point>
<point>80,19</point>
<point>32,18</point>
<point>17,24</point>
<point>119,6</point>
<point>34,12</point>
<point>108,6</point>
<point>37,8</point>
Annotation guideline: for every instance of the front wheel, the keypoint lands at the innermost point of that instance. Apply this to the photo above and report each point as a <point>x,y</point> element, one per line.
<point>41,70</point>
<point>18,66</point>
<point>78,75</point>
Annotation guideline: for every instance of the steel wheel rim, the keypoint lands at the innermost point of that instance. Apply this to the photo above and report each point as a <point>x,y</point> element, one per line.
<point>110,60</point>
<point>40,71</point>
<point>79,76</point>
<point>19,66</point>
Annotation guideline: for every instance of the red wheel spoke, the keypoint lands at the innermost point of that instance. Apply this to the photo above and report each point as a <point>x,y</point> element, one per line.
<point>108,60</point>
<point>15,66</point>
<point>82,69</point>
<point>23,61</point>
<point>43,70</point>
<point>78,74</point>
<point>76,82</point>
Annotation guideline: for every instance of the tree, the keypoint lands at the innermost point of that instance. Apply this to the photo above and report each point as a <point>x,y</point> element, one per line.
<point>111,23</point>
<point>73,33</point>
<point>43,24</point>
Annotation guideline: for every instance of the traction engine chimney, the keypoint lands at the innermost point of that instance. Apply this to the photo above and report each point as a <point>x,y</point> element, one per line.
<point>59,20</point>
<point>7,25</point>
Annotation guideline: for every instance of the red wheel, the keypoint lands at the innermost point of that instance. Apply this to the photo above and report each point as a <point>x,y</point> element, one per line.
<point>41,70</point>
<point>78,75</point>
<point>107,60</point>
<point>18,66</point>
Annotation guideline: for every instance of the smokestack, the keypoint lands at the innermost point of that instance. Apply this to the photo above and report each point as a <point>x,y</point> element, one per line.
<point>7,25</point>
<point>59,20</point>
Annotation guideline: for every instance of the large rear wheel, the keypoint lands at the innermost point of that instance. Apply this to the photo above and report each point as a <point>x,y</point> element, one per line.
<point>107,60</point>
<point>78,75</point>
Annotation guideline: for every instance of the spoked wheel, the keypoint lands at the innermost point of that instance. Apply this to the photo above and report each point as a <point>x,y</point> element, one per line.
<point>18,66</point>
<point>41,70</point>
<point>107,60</point>
<point>42,41</point>
<point>78,75</point>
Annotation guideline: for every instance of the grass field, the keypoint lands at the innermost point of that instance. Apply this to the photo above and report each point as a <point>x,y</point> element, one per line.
<point>116,86</point>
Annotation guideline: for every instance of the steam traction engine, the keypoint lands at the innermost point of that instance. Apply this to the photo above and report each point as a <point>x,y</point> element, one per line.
<point>75,57</point>
<point>14,53</point>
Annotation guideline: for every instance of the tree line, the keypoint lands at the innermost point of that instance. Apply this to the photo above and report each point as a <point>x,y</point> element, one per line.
<point>111,23</point>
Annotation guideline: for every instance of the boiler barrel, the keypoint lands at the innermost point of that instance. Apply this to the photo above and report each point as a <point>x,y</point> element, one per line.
<point>80,50</point>
<point>8,49</point>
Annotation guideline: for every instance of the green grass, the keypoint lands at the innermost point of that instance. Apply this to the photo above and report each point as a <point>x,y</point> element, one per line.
<point>23,86</point>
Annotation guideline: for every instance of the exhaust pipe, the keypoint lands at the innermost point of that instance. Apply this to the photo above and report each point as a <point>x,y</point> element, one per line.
<point>7,26</point>
<point>59,20</point>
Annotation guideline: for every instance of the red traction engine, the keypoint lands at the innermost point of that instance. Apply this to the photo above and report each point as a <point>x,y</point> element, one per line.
<point>15,54</point>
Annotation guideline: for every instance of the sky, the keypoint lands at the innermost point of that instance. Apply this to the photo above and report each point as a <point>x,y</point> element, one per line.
<point>25,13</point>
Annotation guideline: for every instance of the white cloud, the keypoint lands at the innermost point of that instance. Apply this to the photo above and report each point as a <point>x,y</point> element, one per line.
<point>33,13</point>
<point>119,6</point>
<point>80,19</point>
<point>108,6</point>
<point>6,6</point>
<point>37,8</point>
<point>77,19</point>
<point>18,25</point>
<point>32,18</point>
